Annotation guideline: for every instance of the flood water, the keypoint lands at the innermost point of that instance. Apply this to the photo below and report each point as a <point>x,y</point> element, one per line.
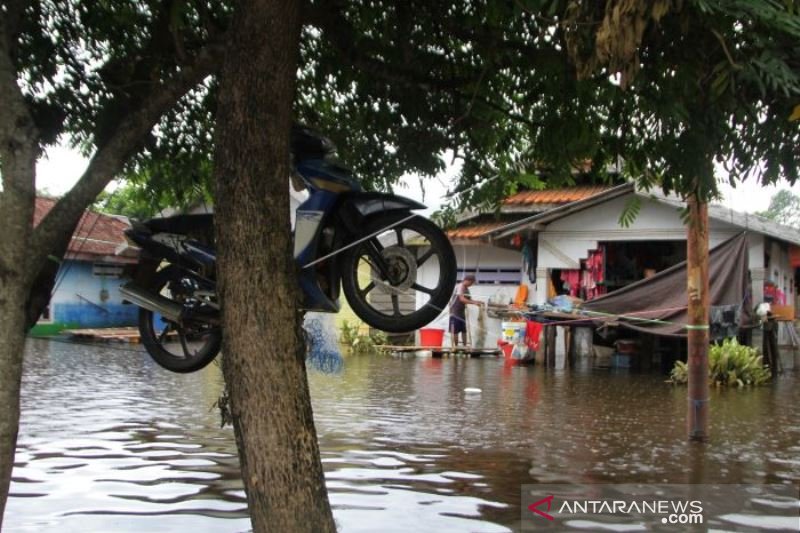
<point>111,442</point>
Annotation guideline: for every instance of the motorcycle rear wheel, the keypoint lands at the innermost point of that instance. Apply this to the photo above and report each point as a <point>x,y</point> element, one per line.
<point>180,348</point>
<point>381,276</point>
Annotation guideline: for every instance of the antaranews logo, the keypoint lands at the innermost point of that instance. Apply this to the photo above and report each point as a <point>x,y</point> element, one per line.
<point>670,511</point>
<point>534,507</point>
<point>660,507</point>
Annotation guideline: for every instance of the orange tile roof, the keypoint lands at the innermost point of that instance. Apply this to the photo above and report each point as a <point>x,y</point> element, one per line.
<point>554,196</point>
<point>475,231</point>
<point>546,197</point>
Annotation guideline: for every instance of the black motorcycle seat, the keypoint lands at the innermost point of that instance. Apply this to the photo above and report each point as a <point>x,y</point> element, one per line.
<point>182,224</point>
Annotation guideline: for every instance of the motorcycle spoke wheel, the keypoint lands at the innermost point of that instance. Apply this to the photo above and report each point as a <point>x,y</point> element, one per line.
<point>402,277</point>
<point>177,347</point>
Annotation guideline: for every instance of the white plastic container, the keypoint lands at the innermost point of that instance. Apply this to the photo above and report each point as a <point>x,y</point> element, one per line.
<point>513,332</point>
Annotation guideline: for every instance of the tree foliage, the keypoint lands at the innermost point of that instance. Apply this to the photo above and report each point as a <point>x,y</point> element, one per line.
<point>85,65</point>
<point>395,85</point>
<point>784,208</point>
<point>524,92</point>
<point>697,81</point>
<point>140,201</point>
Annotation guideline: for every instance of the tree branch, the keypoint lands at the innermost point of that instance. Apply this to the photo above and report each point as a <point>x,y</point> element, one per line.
<point>108,161</point>
<point>725,49</point>
<point>497,107</point>
<point>339,32</point>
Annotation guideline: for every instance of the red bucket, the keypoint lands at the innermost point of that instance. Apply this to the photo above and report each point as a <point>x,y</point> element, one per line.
<point>431,337</point>
<point>507,348</point>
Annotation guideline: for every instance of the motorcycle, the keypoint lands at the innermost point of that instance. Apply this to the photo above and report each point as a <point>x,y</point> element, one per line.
<point>370,245</point>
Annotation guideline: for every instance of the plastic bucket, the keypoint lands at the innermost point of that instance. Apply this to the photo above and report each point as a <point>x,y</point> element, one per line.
<point>431,337</point>
<point>513,331</point>
<point>506,348</point>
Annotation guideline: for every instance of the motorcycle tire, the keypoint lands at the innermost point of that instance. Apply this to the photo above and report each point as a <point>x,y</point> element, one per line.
<point>400,280</point>
<point>157,343</point>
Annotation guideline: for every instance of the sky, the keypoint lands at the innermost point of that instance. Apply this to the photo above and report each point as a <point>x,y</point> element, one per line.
<point>62,166</point>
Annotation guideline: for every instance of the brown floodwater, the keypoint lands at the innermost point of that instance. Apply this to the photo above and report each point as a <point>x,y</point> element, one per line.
<point>111,442</point>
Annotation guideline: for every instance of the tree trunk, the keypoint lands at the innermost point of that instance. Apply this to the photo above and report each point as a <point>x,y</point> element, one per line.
<point>12,344</point>
<point>26,273</point>
<point>698,328</point>
<point>264,356</point>
<point>18,151</point>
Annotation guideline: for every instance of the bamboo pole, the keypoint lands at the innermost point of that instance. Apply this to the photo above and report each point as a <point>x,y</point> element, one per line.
<point>698,326</point>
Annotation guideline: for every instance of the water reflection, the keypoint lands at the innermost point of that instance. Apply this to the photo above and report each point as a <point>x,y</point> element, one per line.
<point>111,442</point>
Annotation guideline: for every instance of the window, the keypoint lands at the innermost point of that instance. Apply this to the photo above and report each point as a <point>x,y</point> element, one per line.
<point>493,276</point>
<point>106,270</point>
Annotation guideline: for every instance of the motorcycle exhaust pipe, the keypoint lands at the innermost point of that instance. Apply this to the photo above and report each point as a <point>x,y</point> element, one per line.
<point>152,301</point>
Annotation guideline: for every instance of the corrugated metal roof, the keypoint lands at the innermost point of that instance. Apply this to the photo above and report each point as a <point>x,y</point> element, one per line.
<point>555,196</point>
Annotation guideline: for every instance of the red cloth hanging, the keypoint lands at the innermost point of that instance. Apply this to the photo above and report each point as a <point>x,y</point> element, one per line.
<point>794,256</point>
<point>533,333</point>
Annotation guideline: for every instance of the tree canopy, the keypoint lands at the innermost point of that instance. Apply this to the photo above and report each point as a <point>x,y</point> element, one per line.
<point>524,92</point>
<point>699,82</point>
<point>662,87</point>
<point>784,208</point>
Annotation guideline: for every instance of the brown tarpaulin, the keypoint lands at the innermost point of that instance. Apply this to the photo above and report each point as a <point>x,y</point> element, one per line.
<point>663,297</point>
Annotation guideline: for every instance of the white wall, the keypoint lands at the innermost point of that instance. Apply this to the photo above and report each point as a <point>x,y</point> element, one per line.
<point>781,273</point>
<point>476,257</point>
<point>566,241</point>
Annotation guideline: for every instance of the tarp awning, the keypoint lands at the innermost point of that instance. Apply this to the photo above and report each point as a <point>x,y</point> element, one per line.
<point>658,305</point>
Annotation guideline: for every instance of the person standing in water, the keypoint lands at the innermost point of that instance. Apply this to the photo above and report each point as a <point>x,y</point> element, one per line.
<point>458,310</point>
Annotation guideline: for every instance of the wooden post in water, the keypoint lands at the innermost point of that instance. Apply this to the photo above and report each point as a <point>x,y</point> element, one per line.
<point>698,326</point>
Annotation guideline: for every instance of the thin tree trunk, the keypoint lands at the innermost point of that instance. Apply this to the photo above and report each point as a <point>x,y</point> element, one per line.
<point>698,329</point>
<point>264,361</point>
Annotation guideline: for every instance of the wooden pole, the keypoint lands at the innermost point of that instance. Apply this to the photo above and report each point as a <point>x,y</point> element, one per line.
<point>698,309</point>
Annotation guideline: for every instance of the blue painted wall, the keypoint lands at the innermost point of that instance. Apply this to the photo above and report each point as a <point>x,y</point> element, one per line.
<point>83,300</point>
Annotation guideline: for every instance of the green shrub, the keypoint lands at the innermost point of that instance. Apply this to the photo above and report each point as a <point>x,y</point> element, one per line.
<point>350,335</point>
<point>730,364</point>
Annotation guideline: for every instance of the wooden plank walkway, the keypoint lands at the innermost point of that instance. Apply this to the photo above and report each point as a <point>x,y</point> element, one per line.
<point>439,351</point>
<point>130,335</point>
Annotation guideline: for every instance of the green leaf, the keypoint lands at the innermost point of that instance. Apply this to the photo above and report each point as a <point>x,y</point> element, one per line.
<point>631,210</point>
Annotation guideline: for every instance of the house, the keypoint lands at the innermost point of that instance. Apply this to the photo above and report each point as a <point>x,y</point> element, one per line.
<point>582,250</point>
<point>85,294</point>
<point>497,267</point>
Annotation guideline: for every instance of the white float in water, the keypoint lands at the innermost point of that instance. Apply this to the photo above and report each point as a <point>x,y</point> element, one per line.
<point>472,390</point>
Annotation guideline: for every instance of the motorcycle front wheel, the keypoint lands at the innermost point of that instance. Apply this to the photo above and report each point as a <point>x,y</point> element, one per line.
<point>181,348</point>
<point>402,276</point>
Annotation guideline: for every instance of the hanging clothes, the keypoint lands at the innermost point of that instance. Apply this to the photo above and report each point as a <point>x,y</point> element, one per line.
<point>592,275</point>
<point>529,260</point>
<point>572,281</point>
